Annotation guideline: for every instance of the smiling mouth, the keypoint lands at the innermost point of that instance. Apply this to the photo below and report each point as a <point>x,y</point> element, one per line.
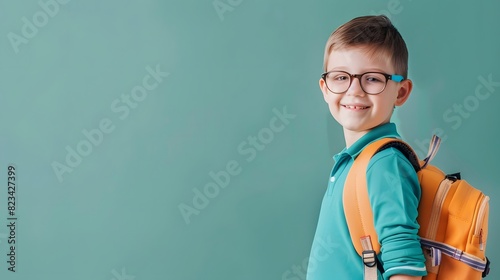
<point>355,107</point>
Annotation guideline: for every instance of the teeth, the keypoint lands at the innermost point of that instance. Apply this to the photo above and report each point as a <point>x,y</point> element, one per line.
<point>354,107</point>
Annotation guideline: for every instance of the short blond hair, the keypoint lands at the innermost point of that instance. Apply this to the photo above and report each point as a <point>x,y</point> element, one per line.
<point>377,33</point>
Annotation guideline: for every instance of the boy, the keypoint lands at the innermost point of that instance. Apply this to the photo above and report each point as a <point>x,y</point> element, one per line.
<point>366,66</point>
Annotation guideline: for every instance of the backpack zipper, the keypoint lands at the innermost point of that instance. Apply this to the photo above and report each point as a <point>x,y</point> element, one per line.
<point>479,221</point>
<point>438,202</point>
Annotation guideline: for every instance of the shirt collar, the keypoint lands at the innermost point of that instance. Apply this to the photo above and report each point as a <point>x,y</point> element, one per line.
<point>382,131</point>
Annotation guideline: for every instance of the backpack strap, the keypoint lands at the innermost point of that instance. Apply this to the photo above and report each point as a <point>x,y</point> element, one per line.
<point>357,208</point>
<point>433,148</point>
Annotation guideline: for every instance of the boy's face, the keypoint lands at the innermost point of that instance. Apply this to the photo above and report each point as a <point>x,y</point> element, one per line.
<point>355,110</point>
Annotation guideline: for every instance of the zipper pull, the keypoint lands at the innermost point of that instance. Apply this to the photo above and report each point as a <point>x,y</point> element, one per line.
<point>481,245</point>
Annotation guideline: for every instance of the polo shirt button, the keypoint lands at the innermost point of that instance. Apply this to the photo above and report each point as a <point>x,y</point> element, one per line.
<point>332,179</point>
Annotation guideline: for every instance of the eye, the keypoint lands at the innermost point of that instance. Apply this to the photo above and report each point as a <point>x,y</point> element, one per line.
<point>374,78</point>
<point>339,77</point>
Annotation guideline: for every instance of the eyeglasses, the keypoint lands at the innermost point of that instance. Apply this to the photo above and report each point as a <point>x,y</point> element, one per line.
<point>371,82</point>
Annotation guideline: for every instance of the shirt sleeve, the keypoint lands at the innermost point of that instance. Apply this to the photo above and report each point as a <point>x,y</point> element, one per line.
<point>394,193</point>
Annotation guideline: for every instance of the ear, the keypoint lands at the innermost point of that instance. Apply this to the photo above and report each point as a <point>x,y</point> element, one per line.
<point>324,89</point>
<point>403,92</point>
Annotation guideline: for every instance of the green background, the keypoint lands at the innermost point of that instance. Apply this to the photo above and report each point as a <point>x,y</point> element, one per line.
<point>117,212</point>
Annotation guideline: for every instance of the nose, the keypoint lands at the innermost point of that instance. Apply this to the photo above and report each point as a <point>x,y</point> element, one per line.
<point>355,87</point>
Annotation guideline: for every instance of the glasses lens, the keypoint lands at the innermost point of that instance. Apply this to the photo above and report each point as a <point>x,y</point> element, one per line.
<point>337,82</point>
<point>373,83</point>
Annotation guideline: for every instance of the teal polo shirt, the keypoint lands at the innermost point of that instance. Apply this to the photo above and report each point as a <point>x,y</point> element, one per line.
<point>394,193</point>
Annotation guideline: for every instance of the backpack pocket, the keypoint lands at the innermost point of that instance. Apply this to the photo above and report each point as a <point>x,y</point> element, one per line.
<point>477,244</point>
<point>461,251</point>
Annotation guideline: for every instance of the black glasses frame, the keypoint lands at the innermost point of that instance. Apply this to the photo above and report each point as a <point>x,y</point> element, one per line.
<point>395,77</point>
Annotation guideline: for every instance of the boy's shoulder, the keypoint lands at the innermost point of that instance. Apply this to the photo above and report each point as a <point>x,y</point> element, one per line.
<point>390,160</point>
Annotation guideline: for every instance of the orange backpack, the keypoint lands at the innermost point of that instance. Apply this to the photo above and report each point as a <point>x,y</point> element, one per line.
<point>453,217</point>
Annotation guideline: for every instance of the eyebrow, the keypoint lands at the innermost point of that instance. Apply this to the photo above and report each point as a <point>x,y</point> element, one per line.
<point>364,70</point>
